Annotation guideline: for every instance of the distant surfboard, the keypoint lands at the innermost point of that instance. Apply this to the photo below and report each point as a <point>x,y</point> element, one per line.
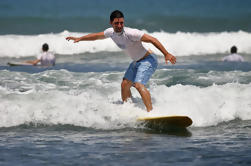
<point>166,122</point>
<point>19,64</point>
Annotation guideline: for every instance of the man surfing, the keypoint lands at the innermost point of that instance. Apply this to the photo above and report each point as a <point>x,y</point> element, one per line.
<point>144,61</point>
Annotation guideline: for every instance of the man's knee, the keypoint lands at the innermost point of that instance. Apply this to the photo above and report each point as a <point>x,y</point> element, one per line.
<point>139,86</point>
<point>126,84</point>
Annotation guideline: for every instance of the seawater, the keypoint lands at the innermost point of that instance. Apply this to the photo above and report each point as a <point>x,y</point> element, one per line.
<point>93,16</point>
<point>72,113</point>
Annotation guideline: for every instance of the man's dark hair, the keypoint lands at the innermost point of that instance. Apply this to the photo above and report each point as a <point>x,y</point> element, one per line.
<point>45,47</point>
<point>116,14</point>
<point>234,49</point>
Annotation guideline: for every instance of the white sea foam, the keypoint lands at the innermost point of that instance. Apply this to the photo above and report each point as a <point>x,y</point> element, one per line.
<point>180,43</point>
<point>95,109</point>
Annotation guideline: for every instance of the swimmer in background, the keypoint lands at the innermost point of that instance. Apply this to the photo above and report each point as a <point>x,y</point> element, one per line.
<point>233,57</point>
<point>45,58</point>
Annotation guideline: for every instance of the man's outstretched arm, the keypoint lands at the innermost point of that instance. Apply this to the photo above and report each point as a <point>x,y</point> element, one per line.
<point>149,39</point>
<point>33,62</point>
<point>89,37</point>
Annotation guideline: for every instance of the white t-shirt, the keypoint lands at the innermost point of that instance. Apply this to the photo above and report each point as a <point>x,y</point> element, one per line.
<point>47,58</point>
<point>129,40</point>
<point>233,58</point>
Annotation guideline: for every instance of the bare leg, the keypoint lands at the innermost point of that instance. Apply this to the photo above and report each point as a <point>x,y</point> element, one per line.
<point>125,89</point>
<point>145,95</point>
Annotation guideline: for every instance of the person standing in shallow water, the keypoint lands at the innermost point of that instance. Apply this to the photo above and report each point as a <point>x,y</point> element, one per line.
<point>233,57</point>
<point>144,61</point>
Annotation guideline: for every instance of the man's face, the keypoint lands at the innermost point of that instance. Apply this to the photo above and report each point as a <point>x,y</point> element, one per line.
<point>118,24</point>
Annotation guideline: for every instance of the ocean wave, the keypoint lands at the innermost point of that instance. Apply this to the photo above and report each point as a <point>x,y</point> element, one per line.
<point>94,109</point>
<point>179,43</point>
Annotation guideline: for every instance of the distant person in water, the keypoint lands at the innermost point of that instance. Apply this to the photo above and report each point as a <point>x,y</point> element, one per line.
<point>233,57</point>
<point>45,58</point>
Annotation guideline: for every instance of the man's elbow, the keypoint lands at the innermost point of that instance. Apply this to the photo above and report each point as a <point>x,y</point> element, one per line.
<point>34,63</point>
<point>155,41</point>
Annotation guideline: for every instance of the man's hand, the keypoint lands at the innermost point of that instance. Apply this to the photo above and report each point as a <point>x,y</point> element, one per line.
<point>75,39</point>
<point>171,58</point>
<point>149,39</point>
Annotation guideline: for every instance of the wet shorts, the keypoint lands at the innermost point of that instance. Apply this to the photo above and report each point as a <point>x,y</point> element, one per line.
<point>142,70</point>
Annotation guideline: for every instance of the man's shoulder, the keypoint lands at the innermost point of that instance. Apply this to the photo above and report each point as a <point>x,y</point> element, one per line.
<point>237,55</point>
<point>130,30</point>
<point>230,56</point>
<point>133,33</point>
<point>109,29</point>
<point>48,53</point>
<point>108,32</point>
<point>233,57</point>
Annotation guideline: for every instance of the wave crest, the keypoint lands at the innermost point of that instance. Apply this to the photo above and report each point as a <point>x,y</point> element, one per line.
<point>179,43</point>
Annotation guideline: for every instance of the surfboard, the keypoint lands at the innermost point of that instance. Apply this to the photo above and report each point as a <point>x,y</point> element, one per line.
<point>19,64</point>
<point>166,122</point>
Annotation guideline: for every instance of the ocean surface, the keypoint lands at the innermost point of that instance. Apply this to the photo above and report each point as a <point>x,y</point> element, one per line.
<point>72,113</point>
